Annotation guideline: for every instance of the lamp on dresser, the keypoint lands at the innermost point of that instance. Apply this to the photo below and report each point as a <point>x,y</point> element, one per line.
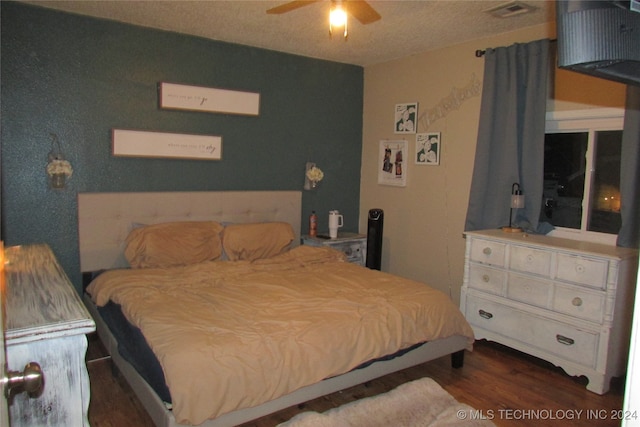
<point>517,202</point>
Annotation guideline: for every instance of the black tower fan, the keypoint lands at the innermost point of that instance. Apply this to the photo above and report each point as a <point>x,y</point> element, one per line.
<point>374,239</point>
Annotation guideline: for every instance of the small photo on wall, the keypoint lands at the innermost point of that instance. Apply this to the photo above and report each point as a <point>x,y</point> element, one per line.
<point>428,148</point>
<point>406,116</point>
<point>392,158</point>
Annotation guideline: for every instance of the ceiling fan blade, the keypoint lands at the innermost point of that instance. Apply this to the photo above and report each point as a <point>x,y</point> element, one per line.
<point>362,11</point>
<point>288,7</point>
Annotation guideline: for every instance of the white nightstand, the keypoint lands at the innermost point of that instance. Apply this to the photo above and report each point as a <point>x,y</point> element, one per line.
<point>353,245</point>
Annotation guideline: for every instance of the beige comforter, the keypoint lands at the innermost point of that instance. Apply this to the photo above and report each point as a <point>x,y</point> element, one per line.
<point>231,335</point>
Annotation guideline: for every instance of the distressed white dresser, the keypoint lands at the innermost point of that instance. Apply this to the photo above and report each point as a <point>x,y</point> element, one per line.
<point>46,323</point>
<point>564,301</point>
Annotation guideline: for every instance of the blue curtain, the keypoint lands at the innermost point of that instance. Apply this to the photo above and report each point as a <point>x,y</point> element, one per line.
<point>510,146</point>
<point>629,234</point>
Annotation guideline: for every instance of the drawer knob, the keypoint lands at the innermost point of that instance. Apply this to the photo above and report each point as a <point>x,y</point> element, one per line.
<point>485,314</point>
<point>577,301</point>
<point>564,340</point>
<point>30,380</point>
<point>580,268</point>
<point>486,251</point>
<point>486,278</point>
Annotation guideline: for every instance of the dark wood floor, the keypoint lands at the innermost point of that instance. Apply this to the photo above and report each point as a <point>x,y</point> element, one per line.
<point>512,388</point>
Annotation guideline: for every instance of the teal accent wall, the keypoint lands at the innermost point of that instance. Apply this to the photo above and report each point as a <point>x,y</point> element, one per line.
<point>81,77</point>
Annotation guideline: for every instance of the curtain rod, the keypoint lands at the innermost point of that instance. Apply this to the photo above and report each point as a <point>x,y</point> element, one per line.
<point>480,53</point>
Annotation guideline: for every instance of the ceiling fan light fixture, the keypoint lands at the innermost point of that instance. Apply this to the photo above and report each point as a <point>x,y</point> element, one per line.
<point>337,17</point>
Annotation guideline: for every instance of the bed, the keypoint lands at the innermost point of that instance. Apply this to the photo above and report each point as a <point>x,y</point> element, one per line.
<point>222,333</point>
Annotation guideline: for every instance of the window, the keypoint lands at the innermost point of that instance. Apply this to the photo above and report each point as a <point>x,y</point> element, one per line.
<point>581,195</point>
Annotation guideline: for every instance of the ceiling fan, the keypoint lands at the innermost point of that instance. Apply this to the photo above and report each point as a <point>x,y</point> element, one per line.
<point>359,9</point>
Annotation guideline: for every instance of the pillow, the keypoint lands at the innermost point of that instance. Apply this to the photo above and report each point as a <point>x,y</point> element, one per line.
<point>256,240</point>
<point>173,244</point>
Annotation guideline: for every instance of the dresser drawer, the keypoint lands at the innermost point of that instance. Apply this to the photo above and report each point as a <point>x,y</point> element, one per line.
<point>353,251</point>
<point>487,279</point>
<point>488,252</point>
<point>583,270</point>
<point>548,335</point>
<point>579,302</point>
<point>529,260</point>
<point>353,245</point>
<point>529,289</point>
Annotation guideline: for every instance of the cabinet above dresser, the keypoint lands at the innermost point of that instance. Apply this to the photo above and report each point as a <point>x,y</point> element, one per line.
<point>565,301</point>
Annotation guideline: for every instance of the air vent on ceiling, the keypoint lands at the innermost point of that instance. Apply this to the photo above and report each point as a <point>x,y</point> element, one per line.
<point>510,9</point>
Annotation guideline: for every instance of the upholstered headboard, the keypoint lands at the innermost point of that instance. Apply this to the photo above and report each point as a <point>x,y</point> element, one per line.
<point>105,219</point>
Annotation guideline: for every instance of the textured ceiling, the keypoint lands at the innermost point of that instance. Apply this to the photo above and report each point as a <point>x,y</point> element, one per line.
<point>406,27</point>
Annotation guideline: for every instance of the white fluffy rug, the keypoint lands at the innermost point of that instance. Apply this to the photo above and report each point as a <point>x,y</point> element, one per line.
<point>415,404</point>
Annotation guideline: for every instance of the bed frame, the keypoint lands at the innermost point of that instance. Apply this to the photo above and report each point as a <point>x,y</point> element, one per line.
<point>105,220</point>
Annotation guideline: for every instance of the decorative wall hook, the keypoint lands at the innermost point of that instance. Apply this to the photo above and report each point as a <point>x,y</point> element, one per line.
<point>58,169</point>
<point>313,175</point>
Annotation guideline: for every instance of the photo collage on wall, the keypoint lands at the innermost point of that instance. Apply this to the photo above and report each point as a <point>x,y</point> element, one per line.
<point>393,155</point>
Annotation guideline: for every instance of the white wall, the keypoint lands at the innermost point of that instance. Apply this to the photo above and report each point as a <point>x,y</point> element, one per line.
<point>424,221</point>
